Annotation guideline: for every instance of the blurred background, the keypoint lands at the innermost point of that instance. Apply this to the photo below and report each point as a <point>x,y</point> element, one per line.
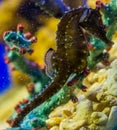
<point>43,26</point>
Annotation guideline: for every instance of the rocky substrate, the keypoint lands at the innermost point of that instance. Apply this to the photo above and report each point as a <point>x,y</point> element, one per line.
<point>96,109</point>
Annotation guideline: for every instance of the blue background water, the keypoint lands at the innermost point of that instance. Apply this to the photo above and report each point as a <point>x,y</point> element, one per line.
<point>4,72</point>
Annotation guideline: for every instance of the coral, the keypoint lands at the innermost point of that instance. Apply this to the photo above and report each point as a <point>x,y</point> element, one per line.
<point>109,19</point>
<point>18,40</point>
<point>18,43</point>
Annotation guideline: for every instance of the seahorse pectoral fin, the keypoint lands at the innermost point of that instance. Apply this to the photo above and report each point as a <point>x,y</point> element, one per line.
<point>48,62</point>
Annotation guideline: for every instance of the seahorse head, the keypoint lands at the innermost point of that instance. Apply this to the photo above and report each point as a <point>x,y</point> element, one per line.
<point>93,23</point>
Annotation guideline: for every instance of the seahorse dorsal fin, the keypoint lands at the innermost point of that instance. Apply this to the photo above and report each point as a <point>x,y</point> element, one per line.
<point>84,16</point>
<point>48,62</point>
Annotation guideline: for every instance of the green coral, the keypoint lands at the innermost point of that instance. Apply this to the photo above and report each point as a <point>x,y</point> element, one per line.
<point>110,20</point>
<point>110,17</point>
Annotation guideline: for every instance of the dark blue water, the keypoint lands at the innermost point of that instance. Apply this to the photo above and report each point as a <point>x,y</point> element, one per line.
<point>4,72</point>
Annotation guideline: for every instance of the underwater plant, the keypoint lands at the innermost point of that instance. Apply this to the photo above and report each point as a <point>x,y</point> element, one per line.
<point>19,41</point>
<point>17,44</point>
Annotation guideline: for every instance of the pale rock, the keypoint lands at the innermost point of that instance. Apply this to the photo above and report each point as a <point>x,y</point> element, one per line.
<point>102,75</point>
<point>112,101</point>
<point>95,77</point>
<point>115,78</point>
<point>99,118</point>
<point>106,110</point>
<point>113,89</point>
<point>54,121</point>
<point>58,112</point>
<point>99,106</point>
<point>112,120</point>
<point>83,128</point>
<point>71,124</point>
<point>66,113</point>
<point>86,83</point>
<point>96,127</point>
<point>114,64</point>
<point>95,106</point>
<point>93,91</point>
<point>81,117</point>
<point>113,52</point>
<point>83,111</point>
<point>91,78</point>
<point>101,96</point>
<point>112,79</point>
<point>54,128</point>
<point>81,98</point>
<point>105,87</point>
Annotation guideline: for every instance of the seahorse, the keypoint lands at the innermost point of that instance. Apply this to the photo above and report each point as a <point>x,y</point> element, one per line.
<point>71,53</point>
